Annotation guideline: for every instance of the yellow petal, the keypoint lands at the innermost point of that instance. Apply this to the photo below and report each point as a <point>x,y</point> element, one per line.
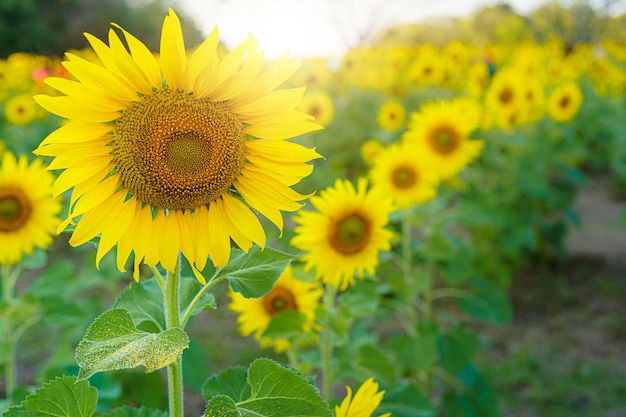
<point>276,131</point>
<point>173,55</point>
<point>244,219</point>
<point>76,131</point>
<point>144,58</point>
<point>202,72</point>
<point>69,108</point>
<point>219,242</point>
<point>127,66</point>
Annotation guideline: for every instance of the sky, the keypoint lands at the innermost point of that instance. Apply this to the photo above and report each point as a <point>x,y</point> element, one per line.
<point>324,27</point>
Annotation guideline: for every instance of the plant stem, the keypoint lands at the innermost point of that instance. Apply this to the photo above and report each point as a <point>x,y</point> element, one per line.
<point>172,320</point>
<point>10,368</point>
<point>407,274</point>
<point>196,299</point>
<point>326,347</point>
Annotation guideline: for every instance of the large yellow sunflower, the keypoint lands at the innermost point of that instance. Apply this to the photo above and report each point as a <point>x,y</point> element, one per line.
<point>170,155</point>
<point>440,132</point>
<point>404,175</point>
<point>28,213</point>
<point>288,293</point>
<point>346,234</point>
<point>565,101</point>
<point>365,401</point>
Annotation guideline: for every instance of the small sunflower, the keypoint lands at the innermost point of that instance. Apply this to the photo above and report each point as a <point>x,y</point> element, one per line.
<point>404,175</point>
<point>288,293</point>
<point>565,101</point>
<point>440,132</point>
<point>365,401</point>
<point>179,153</point>
<point>318,104</point>
<point>28,213</point>
<point>346,234</point>
<point>391,116</point>
<point>20,110</point>
<point>370,150</point>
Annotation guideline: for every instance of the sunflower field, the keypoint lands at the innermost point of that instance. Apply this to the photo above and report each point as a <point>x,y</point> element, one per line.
<point>208,232</point>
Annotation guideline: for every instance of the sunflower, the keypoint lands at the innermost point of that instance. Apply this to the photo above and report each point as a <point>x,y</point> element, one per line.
<point>391,115</point>
<point>288,293</point>
<point>346,234</point>
<point>20,109</point>
<point>28,213</point>
<point>440,132</point>
<point>404,175</point>
<point>565,101</point>
<point>174,154</point>
<point>371,150</point>
<point>364,403</point>
<point>318,104</point>
<point>506,97</point>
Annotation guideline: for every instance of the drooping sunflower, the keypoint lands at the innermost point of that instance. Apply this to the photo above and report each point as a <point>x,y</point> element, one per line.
<point>344,237</point>
<point>392,115</point>
<point>288,293</point>
<point>365,401</point>
<point>176,154</point>
<point>565,101</point>
<point>440,132</point>
<point>28,212</point>
<point>404,175</point>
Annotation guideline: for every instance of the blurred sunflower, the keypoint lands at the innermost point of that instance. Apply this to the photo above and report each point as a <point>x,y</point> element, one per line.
<point>505,97</point>
<point>565,101</point>
<point>440,132</point>
<point>392,115</point>
<point>370,150</point>
<point>405,175</point>
<point>170,155</point>
<point>28,213</point>
<point>20,109</point>
<point>365,401</point>
<point>318,104</point>
<point>346,234</point>
<point>288,293</point>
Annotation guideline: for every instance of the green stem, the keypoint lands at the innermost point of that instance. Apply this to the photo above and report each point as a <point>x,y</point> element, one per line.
<point>326,352</point>
<point>172,320</point>
<point>10,366</point>
<point>407,274</point>
<point>196,299</point>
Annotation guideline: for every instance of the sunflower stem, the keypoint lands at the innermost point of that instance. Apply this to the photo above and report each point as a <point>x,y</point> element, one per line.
<point>407,273</point>
<point>196,299</point>
<point>10,368</point>
<point>326,352</point>
<point>172,320</point>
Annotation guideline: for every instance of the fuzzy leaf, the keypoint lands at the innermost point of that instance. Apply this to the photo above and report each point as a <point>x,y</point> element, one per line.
<point>134,412</point>
<point>231,382</point>
<point>275,391</point>
<point>113,342</point>
<point>254,274</point>
<point>62,397</point>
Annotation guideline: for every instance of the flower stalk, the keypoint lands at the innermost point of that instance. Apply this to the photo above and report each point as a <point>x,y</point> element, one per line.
<point>172,320</point>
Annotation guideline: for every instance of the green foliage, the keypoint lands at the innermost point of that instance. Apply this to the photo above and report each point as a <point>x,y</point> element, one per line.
<point>267,388</point>
<point>63,397</point>
<point>113,342</point>
<point>133,412</point>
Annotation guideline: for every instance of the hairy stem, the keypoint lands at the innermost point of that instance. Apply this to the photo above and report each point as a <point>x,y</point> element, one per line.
<point>172,320</point>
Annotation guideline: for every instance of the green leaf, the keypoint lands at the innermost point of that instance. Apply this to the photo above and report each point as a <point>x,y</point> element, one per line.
<point>222,406</point>
<point>113,342</point>
<point>195,366</point>
<point>286,325</point>
<point>254,274</point>
<point>457,348</point>
<point>377,364</point>
<point>406,400</point>
<point>134,412</point>
<point>418,352</point>
<point>144,300</point>
<point>231,382</point>
<point>62,397</point>
<point>489,303</point>
<point>274,391</point>
<point>36,260</point>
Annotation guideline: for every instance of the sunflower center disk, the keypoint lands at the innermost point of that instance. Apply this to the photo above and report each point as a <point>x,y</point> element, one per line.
<point>350,234</point>
<point>564,103</point>
<point>279,299</point>
<point>404,177</point>
<point>175,151</point>
<point>444,140</point>
<point>14,210</point>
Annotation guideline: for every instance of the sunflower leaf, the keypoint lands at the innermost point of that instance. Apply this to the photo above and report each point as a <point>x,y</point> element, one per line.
<point>134,412</point>
<point>62,397</point>
<point>113,342</point>
<point>271,390</point>
<point>144,300</point>
<point>254,274</point>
